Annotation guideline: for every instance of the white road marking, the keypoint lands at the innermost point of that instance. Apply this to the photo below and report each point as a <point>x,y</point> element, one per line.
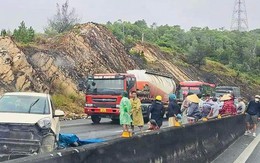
<point>248,151</point>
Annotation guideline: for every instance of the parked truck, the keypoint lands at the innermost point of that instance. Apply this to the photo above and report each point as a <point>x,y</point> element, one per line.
<point>103,91</point>
<point>221,90</point>
<point>196,87</point>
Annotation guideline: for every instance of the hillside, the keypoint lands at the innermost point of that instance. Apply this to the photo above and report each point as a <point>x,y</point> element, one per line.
<point>55,65</point>
<point>212,72</point>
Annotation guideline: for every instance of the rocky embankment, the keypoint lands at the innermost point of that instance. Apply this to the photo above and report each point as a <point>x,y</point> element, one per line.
<point>61,61</point>
<point>58,63</point>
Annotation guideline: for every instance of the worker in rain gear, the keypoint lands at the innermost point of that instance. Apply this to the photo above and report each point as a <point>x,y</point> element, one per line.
<point>157,111</point>
<point>137,114</point>
<point>125,110</point>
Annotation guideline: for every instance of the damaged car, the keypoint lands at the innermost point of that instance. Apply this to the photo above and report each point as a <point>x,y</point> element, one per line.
<point>28,124</point>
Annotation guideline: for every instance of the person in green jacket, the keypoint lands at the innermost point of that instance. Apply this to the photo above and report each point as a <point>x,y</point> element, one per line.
<point>125,110</point>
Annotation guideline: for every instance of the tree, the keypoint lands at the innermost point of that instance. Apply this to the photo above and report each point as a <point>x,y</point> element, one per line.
<point>198,52</point>
<point>23,34</point>
<point>238,50</point>
<point>64,19</point>
<point>3,32</point>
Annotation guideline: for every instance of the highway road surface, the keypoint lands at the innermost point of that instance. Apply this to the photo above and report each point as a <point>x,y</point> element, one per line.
<point>85,129</point>
<point>245,149</point>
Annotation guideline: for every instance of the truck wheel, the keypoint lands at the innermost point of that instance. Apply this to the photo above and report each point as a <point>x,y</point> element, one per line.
<point>48,143</point>
<point>95,119</point>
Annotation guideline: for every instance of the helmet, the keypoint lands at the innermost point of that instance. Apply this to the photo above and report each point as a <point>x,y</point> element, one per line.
<point>158,98</point>
<point>172,97</point>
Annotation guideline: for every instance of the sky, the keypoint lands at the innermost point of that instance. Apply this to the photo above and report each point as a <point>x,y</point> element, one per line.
<point>186,13</point>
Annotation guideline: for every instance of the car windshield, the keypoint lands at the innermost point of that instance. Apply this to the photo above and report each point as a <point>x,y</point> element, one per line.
<point>105,86</point>
<point>24,104</point>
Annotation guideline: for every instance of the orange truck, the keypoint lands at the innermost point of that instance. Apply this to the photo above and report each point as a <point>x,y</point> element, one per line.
<point>103,91</point>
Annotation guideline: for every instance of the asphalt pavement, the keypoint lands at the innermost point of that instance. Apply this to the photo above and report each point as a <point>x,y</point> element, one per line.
<point>244,149</point>
<point>85,129</point>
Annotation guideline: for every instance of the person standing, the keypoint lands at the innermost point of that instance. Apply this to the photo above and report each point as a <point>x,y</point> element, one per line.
<point>201,102</point>
<point>193,113</point>
<point>184,108</point>
<point>252,115</point>
<point>137,114</point>
<point>157,111</point>
<point>214,112</point>
<point>229,107</point>
<point>125,110</point>
<point>241,106</point>
<point>173,110</point>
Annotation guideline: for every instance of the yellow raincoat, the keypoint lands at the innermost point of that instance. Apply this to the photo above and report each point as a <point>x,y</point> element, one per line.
<point>137,114</point>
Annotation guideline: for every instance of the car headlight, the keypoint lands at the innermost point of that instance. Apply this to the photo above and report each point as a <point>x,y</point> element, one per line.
<point>44,123</point>
<point>117,106</point>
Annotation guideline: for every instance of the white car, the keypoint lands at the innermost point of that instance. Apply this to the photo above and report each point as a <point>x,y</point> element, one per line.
<point>28,124</point>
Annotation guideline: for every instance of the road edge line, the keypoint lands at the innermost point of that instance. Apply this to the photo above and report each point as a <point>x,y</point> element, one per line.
<point>242,158</point>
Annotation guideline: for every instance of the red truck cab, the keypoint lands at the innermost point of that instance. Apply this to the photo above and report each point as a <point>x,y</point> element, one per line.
<point>104,93</point>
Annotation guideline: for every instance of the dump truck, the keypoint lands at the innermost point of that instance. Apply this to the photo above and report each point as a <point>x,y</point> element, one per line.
<point>103,92</point>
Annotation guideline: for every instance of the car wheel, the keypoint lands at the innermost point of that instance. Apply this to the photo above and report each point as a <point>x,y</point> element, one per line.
<point>48,143</point>
<point>95,119</point>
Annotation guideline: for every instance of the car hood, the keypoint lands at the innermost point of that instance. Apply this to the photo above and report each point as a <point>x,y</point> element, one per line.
<point>21,118</point>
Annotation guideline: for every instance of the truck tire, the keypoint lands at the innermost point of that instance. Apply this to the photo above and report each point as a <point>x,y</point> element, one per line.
<point>48,144</point>
<point>95,119</point>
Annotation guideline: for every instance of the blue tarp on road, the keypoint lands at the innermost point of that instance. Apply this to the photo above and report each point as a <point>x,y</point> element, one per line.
<point>71,140</point>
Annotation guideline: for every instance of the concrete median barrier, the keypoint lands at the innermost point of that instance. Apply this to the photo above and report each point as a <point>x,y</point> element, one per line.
<point>201,142</point>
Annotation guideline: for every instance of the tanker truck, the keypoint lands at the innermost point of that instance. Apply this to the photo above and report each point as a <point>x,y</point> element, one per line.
<point>103,92</point>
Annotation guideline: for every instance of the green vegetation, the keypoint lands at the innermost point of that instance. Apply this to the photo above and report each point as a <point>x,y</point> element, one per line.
<point>62,21</point>
<point>236,50</point>
<point>68,103</point>
<point>67,100</point>
<point>24,34</point>
<point>218,68</point>
<point>3,33</point>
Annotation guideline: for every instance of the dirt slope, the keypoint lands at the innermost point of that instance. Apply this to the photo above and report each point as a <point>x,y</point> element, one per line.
<point>58,63</point>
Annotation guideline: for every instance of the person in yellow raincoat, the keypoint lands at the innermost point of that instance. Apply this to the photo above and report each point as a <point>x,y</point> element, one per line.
<point>125,111</point>
<point>137,114</point>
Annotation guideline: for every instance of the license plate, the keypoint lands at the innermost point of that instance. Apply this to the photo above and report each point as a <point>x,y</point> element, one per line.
<point>103,110</point>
